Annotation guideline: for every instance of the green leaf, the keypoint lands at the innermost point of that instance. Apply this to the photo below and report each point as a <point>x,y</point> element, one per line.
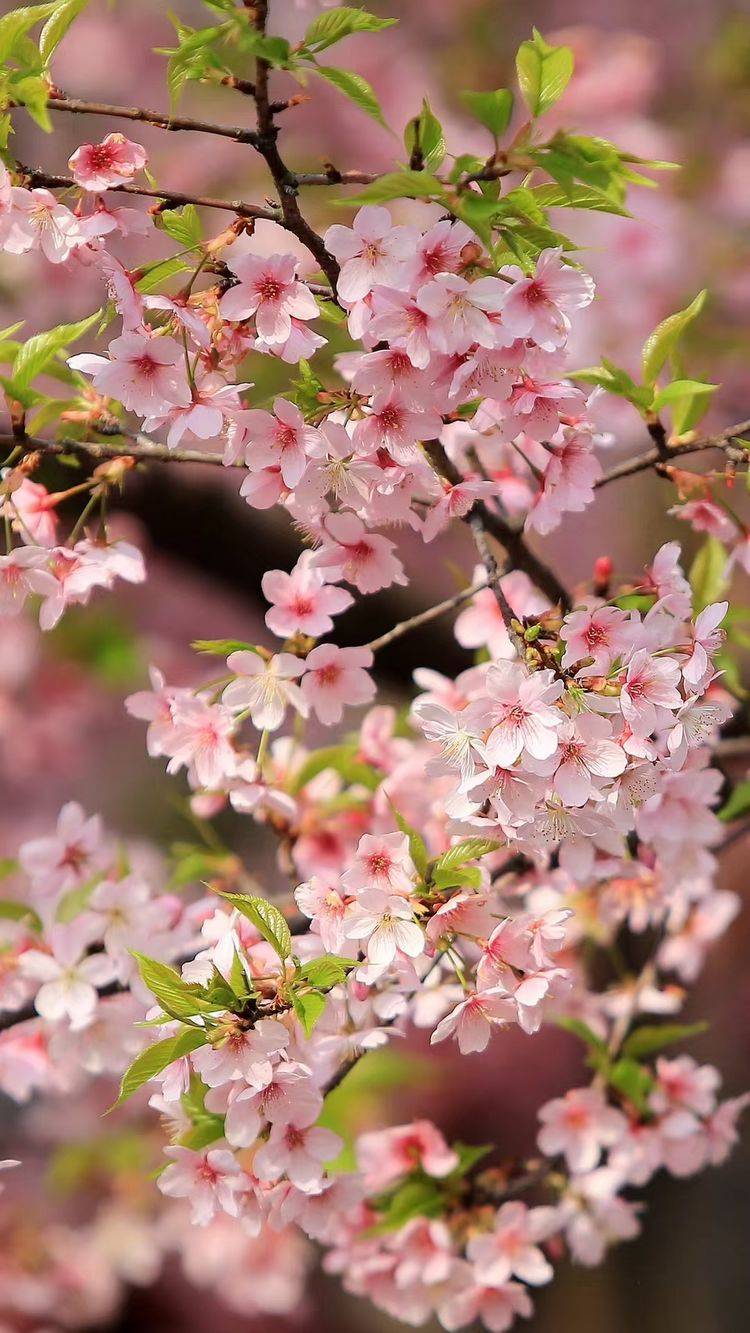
<point>35,354</point>
<point>183,225</point>
<point>543,72</point>
<point>12,911</point>
<point>335,24</point>
<point>493,110</point>
<point>737,804</point>
<point>57,25</point>
<point>156,1058</point>
<point>405,184</point>
<point>632,1080</point>
<point>423,138</point>
<point>579,1029</point>
<point>343,760</point>
<point>222,647</point>
<point>615,380</point>
<point>326,971</point>
<point>355,88</point>
<point>650,1038</point>
<point>471,849</point>
<point>422,1197</point>
<point>661,344</point>
<point>206,1128</point>
<point>578,196</point>
<point>679,389</point>
<point>8,866</point>
<point>180,999</point>
<point>468,1156</point>
<point>417,848</point>
<point>76,900</point>
<point>266,918</point>
<point>194,57</point>
<point>15,25</point>
<point>708,574</point>
<point>154,275</point>
<point>309,1006</point>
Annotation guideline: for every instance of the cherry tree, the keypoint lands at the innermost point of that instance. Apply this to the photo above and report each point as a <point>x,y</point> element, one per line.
<point>473,864</point>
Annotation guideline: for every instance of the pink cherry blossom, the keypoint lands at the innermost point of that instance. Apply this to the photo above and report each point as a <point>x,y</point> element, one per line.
<point>299,1152</point>
<point>385,1155</point>
<point>100,166</point>
<point>212,1180</point>
<point>370,252</point>
<point>363,558</point>
<point>539,307</point>
<point>265,686</point>
<point>302,602</point>
<point>472,1020</point>
<point>511,1249</point>
<point>336,677</point>
<point>269,289</point>
<point>146,374</point>
<point>579,1125</point>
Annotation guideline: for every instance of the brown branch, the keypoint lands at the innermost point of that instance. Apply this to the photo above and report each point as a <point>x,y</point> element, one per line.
<point>654,459</point>
<point>424,617</point>
<point>494,525</point>
<point>142,449</point>
<point>285,181</point>
<point>238,206</point>
<point>156,118</point>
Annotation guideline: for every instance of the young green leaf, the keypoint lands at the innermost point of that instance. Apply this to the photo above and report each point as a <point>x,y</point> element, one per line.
<point>180,999</point>
<point>183,225</point>
<point>407,184</point>
<point>309,1006</point>
<point>57,25</point>
<point>424,140</point>
<point>158,1057</point>
<point>326,971</point>
<point>266,918</point>
<point>661,344</point>
<point>493,110</point>
<point>471,849</point>
<point>355,88</point>
<point>543,71</point>
<point>13,911</point>
<point>737,803</point>
<point>650,1038</point>
<point>335,24</point>
<point>417,848</point>
<point>35,355</point>
<point>708,573</point>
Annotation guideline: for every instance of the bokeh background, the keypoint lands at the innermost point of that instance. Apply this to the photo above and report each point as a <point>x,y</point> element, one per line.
<point>665,78</point>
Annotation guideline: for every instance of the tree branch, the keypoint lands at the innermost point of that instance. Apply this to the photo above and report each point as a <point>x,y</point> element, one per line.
<point>157,118</point>
<point>424,617</point>
<point>654,458</point>
<point>238,206</point>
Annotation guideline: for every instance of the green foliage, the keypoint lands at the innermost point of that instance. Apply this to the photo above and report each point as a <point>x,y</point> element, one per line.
<point>632,1081</point>
<point>13,911</point>
<point>662,343</point>
<point>406,184</point>
<point>419,1197</point>
<point>354,87</point>
<point>424,140</point>
<point>651,1038</point>
<point>343,760</point>
<point>178,998</point>
<point>183,225</point>
<point>543,71</point>
<point>266,918</point>
<point>493,109</point>
<point>222,647</point>
<point>158,1057</point>
<point>471,849</point>
<point>76,900</point>
<point>579,1029</point>
<point>708,573</point>
<point>335,24</point>
<point>35,356</point>
<point>8,866</point>
<point>737,804</point>
<point>57,25</point>
<point>616,380</point>
<point>308,1006</point>
<point>417,848</point>
<point>326,971</point>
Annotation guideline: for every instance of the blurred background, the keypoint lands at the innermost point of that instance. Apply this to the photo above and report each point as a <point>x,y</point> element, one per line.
<point>663,78</point>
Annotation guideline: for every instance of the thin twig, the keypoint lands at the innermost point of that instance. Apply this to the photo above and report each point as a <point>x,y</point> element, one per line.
<point>238,206</point>
<point>157,118</point>
<point>424,617</point>
<point>653,459</point>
